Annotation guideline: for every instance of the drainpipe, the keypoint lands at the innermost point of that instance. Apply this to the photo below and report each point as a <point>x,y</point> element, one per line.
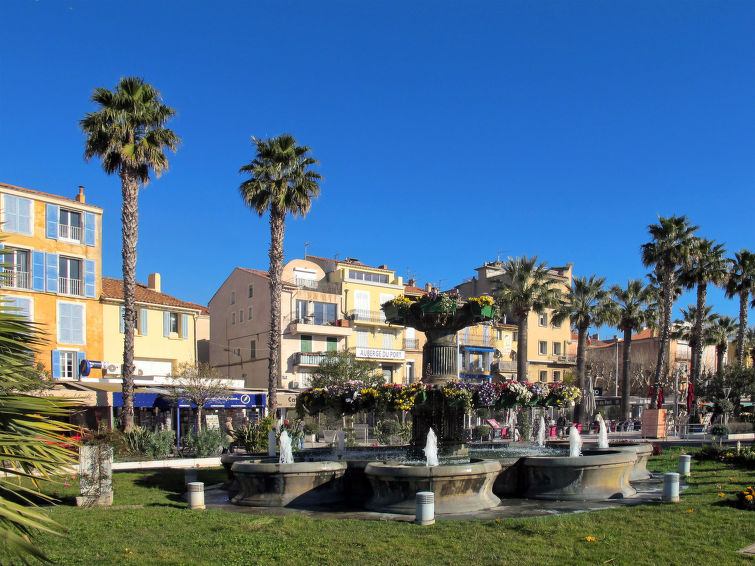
<point>196,351</point>
<point>178,424</point>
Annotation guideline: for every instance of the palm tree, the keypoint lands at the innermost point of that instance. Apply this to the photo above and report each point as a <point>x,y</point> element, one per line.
<point>667,252</point>
<point>707,265</point>
<point>128,134</point>
<point>33,444</point>
<point>741,283</point>
<point>281,182</point>
<point>526,286</point>
<point>631,310</point>
<point>585,304</point>
<point>718,335</point>
<point>749,345</point>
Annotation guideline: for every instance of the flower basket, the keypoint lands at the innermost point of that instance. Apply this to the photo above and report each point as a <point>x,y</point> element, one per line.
<point>438,307</point>
<point>391,312</point>
<point>481,311</point>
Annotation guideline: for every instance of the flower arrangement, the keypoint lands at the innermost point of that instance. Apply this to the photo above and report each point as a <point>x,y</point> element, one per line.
<point>459,394</point>
<point>746,498</point>
<point>483,301</point>
<point>439,302</point>
<point>402,301</point>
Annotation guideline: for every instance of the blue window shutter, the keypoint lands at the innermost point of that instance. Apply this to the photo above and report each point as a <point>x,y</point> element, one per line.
<point>51,269</point>
<point>3,259</point>
<point>56,364</point>
<point>89,287</point>
<point>79,356</point>
<point>89,229</point>
<point>24,216</point>
<point>166,324</point>
<point>143,322</point>
<point>121,321</point>
<point>10,214</point>
<point>184,326</point>
<point>77,324</point>
<point>53,211</point>
<point>38,271</point>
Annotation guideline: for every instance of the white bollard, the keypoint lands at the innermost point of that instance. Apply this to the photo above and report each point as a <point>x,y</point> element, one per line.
<point>671,487</point>
<point>190,475</point>
<point>196,495</point>
<point>272,443</point>
<point>684,464</point>
<point>425,514</point>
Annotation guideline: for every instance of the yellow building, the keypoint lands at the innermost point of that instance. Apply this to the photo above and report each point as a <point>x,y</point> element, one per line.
<point>165,334</point>
<point>54,249</point>
<point>547,346</point>
<point>485,352</point>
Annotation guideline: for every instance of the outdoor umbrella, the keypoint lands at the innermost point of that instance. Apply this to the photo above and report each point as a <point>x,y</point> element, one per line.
<point>660,397</point>
<point>590,398</point>
<point>690,397</point>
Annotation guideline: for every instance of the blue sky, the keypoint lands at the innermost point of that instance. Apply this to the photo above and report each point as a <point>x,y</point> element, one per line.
<point>448,133</point>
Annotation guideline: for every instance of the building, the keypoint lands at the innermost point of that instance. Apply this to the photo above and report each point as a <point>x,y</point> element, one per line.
<point>547,345</point>
<point>54,250</point>
<point>486,352</point>
<point>165,335</point>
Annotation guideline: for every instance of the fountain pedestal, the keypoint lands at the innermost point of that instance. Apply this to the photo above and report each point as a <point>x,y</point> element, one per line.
<point>446,421</point>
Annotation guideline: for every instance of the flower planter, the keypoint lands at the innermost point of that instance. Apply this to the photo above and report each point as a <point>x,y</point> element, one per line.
<point>481,311</point>
<point>392,313</point>
<point>438,308</point>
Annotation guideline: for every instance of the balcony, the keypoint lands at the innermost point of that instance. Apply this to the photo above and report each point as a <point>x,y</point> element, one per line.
<point>501,367</point>
<point>318,286</point>
<point>66,232</point>
<point>17,279</point>
<point>411,344</point>
<point>477,341</point>
<point>307,326</point>
<point>308,359</point>
<point>367,316</point>
<point>68,286</point>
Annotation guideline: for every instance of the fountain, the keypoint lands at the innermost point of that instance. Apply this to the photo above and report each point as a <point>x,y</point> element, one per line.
<point>602,432</point>
<point>431,449</point>
<point>575,442</point>
<point>286,455</point>
<point>541,432</point>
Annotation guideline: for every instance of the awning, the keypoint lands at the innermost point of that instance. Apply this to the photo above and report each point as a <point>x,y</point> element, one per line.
<point>140,399</point>
<point>162,401</point>
<point>477,349</point>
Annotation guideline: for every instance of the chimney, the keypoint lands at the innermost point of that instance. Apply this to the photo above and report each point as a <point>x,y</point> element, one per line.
<point>411,282</point>
<point>153,282</point>
<point>384,266</point>
<point>80,197</point>
<point>428,287</point>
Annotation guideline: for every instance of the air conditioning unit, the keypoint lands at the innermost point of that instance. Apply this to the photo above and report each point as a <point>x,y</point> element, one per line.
<point>114,368</point>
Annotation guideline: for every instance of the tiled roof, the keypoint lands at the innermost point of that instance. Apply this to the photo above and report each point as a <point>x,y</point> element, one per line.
<point>264,274</point>
<point>414,290</point>
<point>113,289</point>
<point>50,195</point>
<point>203,310</point>
<point>345,262</point>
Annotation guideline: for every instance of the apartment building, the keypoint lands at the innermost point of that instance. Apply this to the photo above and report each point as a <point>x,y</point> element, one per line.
<point>487,352</point>
<point>165,335</point>
<point>53,272</point>
<point>547,345</point>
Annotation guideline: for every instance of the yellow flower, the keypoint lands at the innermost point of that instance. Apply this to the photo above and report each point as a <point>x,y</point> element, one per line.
<point>689,510</point>
<point>731,479</point>
<point>590,539</point>
<point>748,497</point>
<point>721,495</point>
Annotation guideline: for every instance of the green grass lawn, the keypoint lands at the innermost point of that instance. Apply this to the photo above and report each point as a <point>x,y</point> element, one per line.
<point>703,529</point>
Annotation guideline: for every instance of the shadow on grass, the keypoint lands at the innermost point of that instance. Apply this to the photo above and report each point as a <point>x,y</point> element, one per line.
<point>169,481</point>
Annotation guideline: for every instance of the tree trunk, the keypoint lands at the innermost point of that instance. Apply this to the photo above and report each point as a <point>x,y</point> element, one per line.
<point>720,351</point>
<point>521,351</point>
<point>277,229</point>
<point>743,300</point>
<point>579,410</point>
<point>668,284</point>
<point>130,232</point>
<point>198,421</point>
<point>626,409</point>
<point>697,332</point>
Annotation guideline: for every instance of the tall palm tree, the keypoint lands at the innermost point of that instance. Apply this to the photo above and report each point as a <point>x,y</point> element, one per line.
<point>741,283</point>
<point>632,309</point>
<point>128,134</point>
<point>707,264</point>
<point>667,252</point>
<point>525,286</point>
<point>749,345</point>
<point>585,304</point>
<point>718,335</point>
<point>280,182</point>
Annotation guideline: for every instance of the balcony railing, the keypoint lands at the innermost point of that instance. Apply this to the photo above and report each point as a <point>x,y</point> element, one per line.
<point>411,344</point>
<point>308,359</point>
<point>503,366</point>
<point>319,286</point>
<point>476,341</point>
<point>68,286</point>
<point>17,279</point>
<point>364,315</point>
<point>69,232</point>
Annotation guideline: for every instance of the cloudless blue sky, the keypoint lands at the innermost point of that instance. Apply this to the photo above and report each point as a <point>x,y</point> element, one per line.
<point>448,132</point>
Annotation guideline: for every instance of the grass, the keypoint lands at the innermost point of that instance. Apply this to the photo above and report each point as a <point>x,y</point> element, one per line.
<point>703,529</point>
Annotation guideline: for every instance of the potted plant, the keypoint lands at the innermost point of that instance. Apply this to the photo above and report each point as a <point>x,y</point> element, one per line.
<point>438,303</point>
<point>482,307</point>
<point>395,310</point>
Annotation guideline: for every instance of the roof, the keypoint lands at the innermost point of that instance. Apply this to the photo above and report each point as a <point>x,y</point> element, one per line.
<point>203,310</point>
<point>113,289</point>
<point>353,262</point>
<point>414,290</point>
<point>48,195</point>
<point>643,335</point>
<point>264,274</point>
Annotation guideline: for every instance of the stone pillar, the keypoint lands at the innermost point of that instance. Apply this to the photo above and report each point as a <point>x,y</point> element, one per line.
<point>440,357</point>
<point>95,475</point>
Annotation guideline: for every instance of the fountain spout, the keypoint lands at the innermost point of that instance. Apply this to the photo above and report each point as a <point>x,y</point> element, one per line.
<point>287,456</point>
<point>431,449</point>
<point>602,432</point>
<point>575,442</point>
<point>541,432</point>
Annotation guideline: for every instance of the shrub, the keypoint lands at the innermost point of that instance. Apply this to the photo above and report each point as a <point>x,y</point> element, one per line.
<point>253,436</point>
<point>719,430</point>
<point>737,428</point>
<point>350,436</point>
<point>723,406</point>
<point>481,431</point>
<point>206,442</point>
<point>160,444</point>
<point>312,428</point>
<point>657,449</point>
<point>746,498</point>
<point>137,441</point>
<point>387,429</point>
<point>710,452</point>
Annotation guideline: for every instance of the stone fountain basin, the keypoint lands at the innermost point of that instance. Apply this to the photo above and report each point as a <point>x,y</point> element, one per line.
<point>642,452</point>
<point>594,476</point>
<point>458,488</point>
<point>301,484</point>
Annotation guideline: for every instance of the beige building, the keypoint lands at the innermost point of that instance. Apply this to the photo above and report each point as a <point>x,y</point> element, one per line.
<point>547,346</point>
<point>166,329</point>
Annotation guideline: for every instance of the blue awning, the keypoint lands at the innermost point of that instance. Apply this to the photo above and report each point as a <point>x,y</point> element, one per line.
<point>140,399</point>
<point>239,400</point>
<point>476,349</point>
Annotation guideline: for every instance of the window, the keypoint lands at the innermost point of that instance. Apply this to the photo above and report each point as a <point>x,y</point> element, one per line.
<point>313,312</point>
<point>69,276</point>
<point>69,225</point>
<point>556,376</point>
<point>306,344</point>
<point>253,349</point>
<point>16,215</point>
<point>388,340</point>
<point>515,337</point>
<point>542,348</point>
<point>174,322</point>
<point>22,304</point>
<point>557,348</point>
<point>499,334</point>
<point>233,297</point>
<point>362,339</point>
<point>241,315</point>
<point>543,375</point>
<point>251,291</point>
<point>249,313</point>
<point>542,320</point>
<point>71,323</point>
<point>68,365</point>
<point>556,325</point>
<point>331,344</point>
<point>18,268</point>
<point>233,319</point>
<point>373,277</point>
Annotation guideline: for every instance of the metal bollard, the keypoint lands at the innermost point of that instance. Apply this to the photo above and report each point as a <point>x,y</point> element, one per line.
<point>671,487</point>
<point>684,464</point>
<point>425,514</point>
<point>196,495</point>
<point>272,443</point>
<point>190,475</point>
